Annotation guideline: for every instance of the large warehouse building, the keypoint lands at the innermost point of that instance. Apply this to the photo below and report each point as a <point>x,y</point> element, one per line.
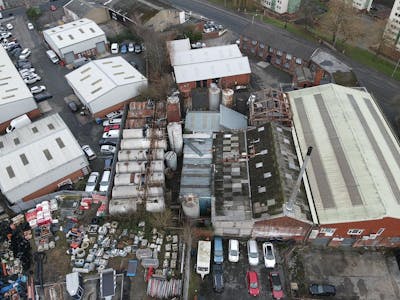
<point>224,65</point>
<point>76,39</point>
<point>36,158</point>
<point>353,177</point>
<point>105,85</point>
<point>15,97</point>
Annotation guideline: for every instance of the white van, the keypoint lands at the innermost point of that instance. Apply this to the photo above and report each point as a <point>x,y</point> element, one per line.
<point>105,181</point>
<point>252,252</point>
<point>53,56</point>
<point>19,122</point>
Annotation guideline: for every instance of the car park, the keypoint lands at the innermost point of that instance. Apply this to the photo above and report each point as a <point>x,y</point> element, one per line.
<point>107,149</point>
<point>269,255</point>
<point>131,47</point>
<point>112,122</point>
<point>322,289</point>
<point>276,285</point>
<point>109,141</point>
<point>111,127</point>
<point>25,53</point>
<point>32,79</point>
<point>218,278</point>
<point>105,181</point>
<point>111,134</point>
<point>123,48</point>
<point>138,48</point>
<point>73,106</point>
<point>114,48</point>
<point>252,252</point>
<point>38,89</point>
<point>233,251</point>
<point>252,283</point>
<point>114,114</point>
<point>42,96</point>
<point>30,26</point>
<point>92,182</point>
<point>9,26</point>
<point>89,152</point>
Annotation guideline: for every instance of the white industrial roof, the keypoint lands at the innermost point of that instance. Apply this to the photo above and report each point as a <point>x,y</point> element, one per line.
<point>355,165</point>
<point>101,76</point>
<point>212,69</point>
<point>178,45</point>
<point>73,32</point>
<point>35,149</point>
<point>12,87</point>
<point>206,54</point>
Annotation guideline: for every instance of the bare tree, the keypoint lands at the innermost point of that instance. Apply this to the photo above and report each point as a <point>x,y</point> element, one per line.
<point>309,10</point>
<point>156,52</point>
<point>162,220</point>
<point>158,89</point>
<point>379,37</point>
<point>342,21</point>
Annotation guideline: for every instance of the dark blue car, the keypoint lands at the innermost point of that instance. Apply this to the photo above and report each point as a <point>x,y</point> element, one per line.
<point>124,49</point>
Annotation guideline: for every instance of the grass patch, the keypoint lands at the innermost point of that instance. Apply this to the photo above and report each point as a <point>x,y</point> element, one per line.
<point>194,284</point>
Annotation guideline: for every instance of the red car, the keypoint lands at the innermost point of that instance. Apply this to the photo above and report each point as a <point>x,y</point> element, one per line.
<point>276,285</point>
<point>53,7</point>
<point>111,127</point>
<point>252,283</point>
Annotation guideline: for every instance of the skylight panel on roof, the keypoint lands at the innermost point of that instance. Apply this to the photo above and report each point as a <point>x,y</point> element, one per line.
<point>51,126</point>
<point>97,81</point>
<point>117,66</point>
<point>10,172</point>
<point>5,78</point>
<point>70,36</point>
<point>1,144</point>
<point>92,30</point>
<point>84,78</point>
<point>10,90</point>
<point>60,143</point>
<point>85,70</point>
<point>259,165</point>
<point>47,154</point>
<point>96,90</point>
<point>81,30</point>
<point>129,77</point>
<point>119,73</point>
<point>59,37</point>
<point>24,159</point>
<point>9,96</point>
<point>16,141</point>
<point>35,130</point>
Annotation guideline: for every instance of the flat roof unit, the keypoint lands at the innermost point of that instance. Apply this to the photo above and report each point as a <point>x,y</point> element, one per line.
<point>355,165</point>
<point>73,33</point>
<point>98,77</point>
<point>12,86</point>
<point>34,150</point>
<point>175,46</point>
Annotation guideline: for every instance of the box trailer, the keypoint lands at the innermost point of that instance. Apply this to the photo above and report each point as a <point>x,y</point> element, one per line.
<point>203,258</point>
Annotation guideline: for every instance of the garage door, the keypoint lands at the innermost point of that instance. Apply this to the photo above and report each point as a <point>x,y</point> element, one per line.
<point>322,241</point>
<point>101,47</point>
<point>69,57</point>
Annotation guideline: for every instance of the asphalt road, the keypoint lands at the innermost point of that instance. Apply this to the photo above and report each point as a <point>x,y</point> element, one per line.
<point>384,89</point>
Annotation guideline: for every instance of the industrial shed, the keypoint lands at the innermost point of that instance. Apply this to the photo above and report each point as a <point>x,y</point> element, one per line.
<point>105,85</point>
<point>353,177</point>
<point>76,39</point>
<point>15,97</point>
<point>36,158</point>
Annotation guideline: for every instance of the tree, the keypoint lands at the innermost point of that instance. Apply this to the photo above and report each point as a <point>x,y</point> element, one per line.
<point>342,21</point>
<point>156,52</point>
<point>33,13</point>
<point>162,220</point>
<point>309,10</point>
<point>378,36</point>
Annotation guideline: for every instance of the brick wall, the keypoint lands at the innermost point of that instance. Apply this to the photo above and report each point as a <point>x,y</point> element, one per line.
<point>282,227</point>
<point>102,113</point>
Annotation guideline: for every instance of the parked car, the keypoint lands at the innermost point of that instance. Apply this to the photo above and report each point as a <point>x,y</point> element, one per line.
<point>32,79</point>
<point>218,278</point>
<point>233,251</point>
<point>42,96</point>
<point>5,35</point>
<point>27,75</point>
<point>29,70</point>
<point>269,255</point>
<point>112,122</point>
<point>25,53</point>
<point>107,149</point>
<point>108,163</point>
<point>105,181</point>
<point>9,26</point>
<point>252,252</point>
<point>131,47</point>
<point>73,106</point>
<point>16,51</point>
<point>111,127</point>
<point>92,182</point>
<point>37,89</point>
<point>322,289</point>
<point>114,114</point>
<point>114,48</point>
<point>218,250</point>
<point>252,283</point>
<point>138,48</point>
<point>124,49</point>
<point>111,134</point>
<point>276,285</point>
<point>23,64</point>
<point>30,26</point>
<point>89,152</point>
<point>112,142</point>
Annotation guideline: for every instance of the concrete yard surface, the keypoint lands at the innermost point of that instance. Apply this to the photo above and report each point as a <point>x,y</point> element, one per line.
<point>356,274</point>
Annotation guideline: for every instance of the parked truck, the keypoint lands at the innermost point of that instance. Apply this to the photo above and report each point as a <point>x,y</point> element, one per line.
<point>19,122</point>
<point>203,258</point>
<point>53,56</point>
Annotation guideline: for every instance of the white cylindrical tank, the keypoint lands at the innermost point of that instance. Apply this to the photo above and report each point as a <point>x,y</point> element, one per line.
<point>214,94</point>
<point>227,97</point>
<point>171,160</point>
<point>130,144</point>
<point>139,133</point>
<point>175,137</point>
<point>191,206</point>
<point>156,178</point>
<point>135,154</point>
<point>155,204</point>
<point>139,166</point>
<point>119,207</point>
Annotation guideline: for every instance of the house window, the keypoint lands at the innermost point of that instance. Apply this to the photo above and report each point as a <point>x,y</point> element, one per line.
<point>380,231</point>
<point>328,231</point>
<point>355,231</point>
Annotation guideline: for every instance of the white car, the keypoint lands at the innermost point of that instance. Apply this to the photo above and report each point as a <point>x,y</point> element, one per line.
<point>92,182</point>
<point>105,181</point>
<point>269,255</point>
<point>233,251</point>
<point>27,74</point>
<point>114,48</point>
<point>5,35</point>
<point>112,122</point>
<point>89,152</point>
<point>32,79</point>
<point>252,252</point>
<point>9,26</point>
<point>30,26</point>
<point>131,47</point>
<point>114,114</point>
<point>107,149</point>
<point>24,72</point>
<point>25,53</point>
<point>38,89</point>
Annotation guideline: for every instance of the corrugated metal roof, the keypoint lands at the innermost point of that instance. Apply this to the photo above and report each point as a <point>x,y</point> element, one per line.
<point>231,119</point>
<point>355,163</point>
<point>178,46</point>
